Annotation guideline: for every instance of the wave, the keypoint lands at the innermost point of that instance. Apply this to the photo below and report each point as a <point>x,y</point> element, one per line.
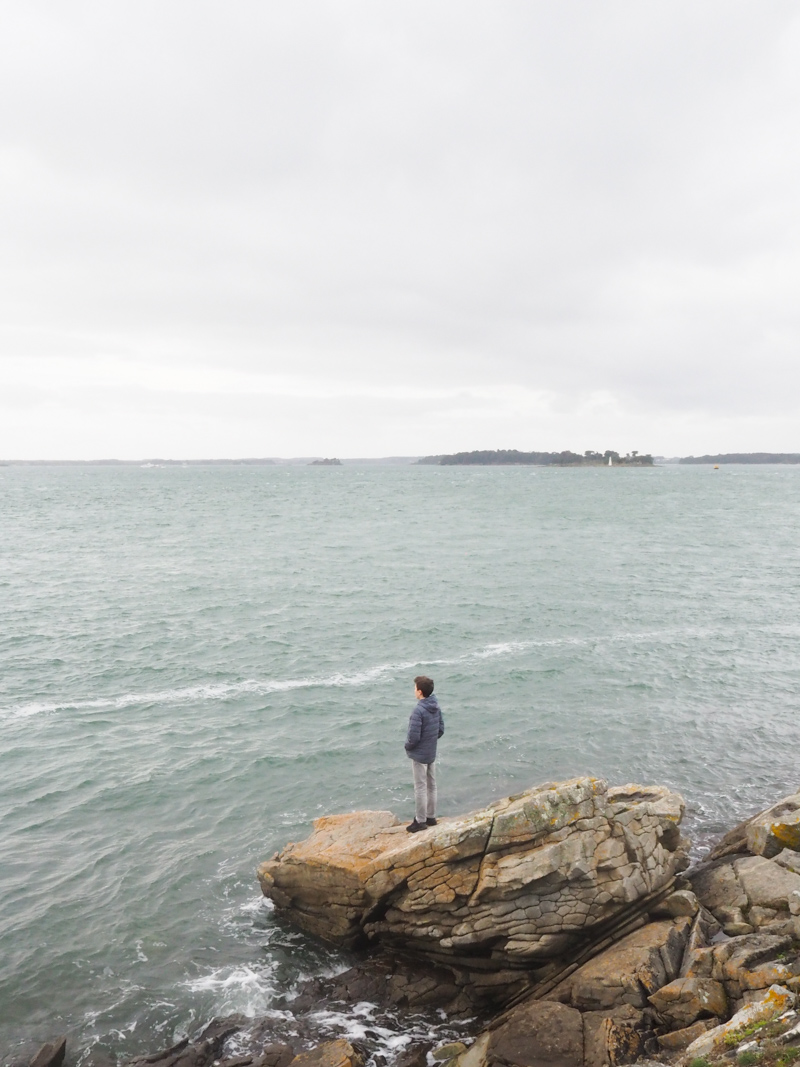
<point>206,691</point>
<point>242,989</point>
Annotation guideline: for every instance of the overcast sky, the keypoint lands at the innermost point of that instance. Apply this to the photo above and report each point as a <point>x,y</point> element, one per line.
<point>372,228</point>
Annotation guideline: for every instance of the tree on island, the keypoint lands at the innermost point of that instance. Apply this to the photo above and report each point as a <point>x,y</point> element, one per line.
<point>511,457</point>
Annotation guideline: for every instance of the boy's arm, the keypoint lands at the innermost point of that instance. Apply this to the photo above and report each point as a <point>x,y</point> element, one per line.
<point>441,723</point>
<point>414,728</point>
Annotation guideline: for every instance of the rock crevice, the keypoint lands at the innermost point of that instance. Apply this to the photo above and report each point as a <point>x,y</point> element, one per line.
<point>527,882</point>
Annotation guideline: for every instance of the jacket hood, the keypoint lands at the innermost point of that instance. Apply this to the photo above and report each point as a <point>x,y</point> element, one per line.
<point>429,703</point>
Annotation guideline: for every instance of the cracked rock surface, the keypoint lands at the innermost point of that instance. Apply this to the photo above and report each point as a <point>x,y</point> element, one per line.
<point>511,886</point>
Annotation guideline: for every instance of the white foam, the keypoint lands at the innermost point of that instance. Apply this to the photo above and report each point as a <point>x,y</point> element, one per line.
<point>193,694</point>
<point>240,989</point>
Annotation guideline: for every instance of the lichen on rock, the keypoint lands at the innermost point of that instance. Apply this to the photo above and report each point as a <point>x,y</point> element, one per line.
<point>510,887</point>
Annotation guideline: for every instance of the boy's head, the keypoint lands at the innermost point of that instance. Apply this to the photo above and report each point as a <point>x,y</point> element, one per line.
<point>423,684</point>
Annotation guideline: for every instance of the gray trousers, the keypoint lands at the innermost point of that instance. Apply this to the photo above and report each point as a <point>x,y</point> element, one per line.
<point>424,790</point>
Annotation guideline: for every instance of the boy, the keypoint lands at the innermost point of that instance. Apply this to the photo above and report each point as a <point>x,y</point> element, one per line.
<point>425,727</point>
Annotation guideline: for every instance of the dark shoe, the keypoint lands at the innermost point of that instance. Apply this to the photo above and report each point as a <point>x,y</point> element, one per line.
<point>430,822</point>
<point>415,827</point>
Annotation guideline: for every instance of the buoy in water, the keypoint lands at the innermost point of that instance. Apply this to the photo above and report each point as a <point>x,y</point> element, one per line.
<point>716,466</point>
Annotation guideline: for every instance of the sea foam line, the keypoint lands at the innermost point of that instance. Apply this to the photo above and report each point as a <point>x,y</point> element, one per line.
<point>226,690</point>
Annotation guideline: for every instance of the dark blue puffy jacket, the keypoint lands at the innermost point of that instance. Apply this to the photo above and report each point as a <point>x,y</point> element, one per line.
<point>425,727</point>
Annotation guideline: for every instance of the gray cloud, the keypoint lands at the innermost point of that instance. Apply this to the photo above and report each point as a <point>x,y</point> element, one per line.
<point>458,225</point>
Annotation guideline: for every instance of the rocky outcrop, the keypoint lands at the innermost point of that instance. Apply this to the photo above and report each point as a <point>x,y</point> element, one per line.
<point>776,1001</point>
<point>518,886</point>
<point>747,893</point>
<point>629,971</point>
<point>51,1054</point>
<point>765,834</point>
<point>559,908</point>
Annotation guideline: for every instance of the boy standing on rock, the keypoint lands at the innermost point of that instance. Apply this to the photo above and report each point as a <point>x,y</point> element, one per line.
<point>425,727</point>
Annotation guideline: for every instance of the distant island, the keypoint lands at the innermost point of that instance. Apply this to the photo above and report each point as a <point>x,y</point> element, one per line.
<point>325,462</point>
<point>746,457</point>
<point>511,457</point>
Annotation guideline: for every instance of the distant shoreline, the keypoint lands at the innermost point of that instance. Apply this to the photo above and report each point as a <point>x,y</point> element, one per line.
<point>512,458</point>
<point>500,457</point>
<point>745,457</point>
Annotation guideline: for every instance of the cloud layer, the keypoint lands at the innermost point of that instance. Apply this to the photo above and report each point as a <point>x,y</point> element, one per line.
<point>363,229</point>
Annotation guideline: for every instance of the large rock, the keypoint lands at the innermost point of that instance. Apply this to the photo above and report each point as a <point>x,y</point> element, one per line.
<point>203,1053</point>
<point>685,1000</point>
<point>339,1053</point>
<point>777,1000</point>
<point>50,1055</point>
<point>746,893</point>
<point>764,834</point>
<point>540,1034</point>
<point>510,887</point>
<point>612,1037</point>
<point>776,828</point>
<point>628,972</point>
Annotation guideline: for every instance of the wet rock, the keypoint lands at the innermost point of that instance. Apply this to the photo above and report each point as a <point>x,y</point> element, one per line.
<point>539,1034</point>
<point>166,1058</point>
<point>388,982</point>
<point>275,1054</point>
<point>338,1053</point>
<point>414,1055</point>
<point>448,1051</point>
<point>201,1053</point>
<point>218,1030</point>
<point>685,1000</point>
<point>628,972</point>
<point>51,1055</point>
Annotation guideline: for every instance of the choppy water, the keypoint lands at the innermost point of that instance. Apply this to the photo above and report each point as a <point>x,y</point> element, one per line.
<point>196,662</point>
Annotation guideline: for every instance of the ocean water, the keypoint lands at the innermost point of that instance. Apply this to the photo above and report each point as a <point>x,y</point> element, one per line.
<point>196,662</point>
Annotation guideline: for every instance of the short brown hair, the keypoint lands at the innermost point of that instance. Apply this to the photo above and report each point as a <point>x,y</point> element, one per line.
<point>424,684</point>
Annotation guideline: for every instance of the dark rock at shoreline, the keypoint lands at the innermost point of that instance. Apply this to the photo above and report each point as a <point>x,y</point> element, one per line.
<point>51,1055</point>
<point>671,968</point>
<point>203,1053</point>
<point>390,982</point>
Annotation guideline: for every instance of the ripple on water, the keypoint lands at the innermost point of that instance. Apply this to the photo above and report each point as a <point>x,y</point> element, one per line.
<point>195,663</point>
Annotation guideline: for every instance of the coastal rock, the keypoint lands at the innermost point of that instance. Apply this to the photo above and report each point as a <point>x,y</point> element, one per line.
<point>448,1052</point>
<point>510,888</point>
<point>681,902</point>
<point>388,981</point>
<point>676,1040</point>
<point>51,1055</point>
<point>276,1054</point>
<point>338,1053</point>
<point>541,1034</point>
<point>764,834</point>
<point>685,1000</point>
<point>776,1001</point>
<point>776,828</point>
<point>202,1053</point>
<point>628,972</point>
<point>746,893</point>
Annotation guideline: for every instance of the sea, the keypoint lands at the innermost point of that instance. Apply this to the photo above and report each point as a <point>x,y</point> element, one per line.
<point>196,662</point>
